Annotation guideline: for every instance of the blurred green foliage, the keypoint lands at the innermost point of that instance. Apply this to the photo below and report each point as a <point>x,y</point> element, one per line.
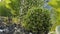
<point>37,20</point>
<point>4,11</point>
<point>33,16</point>
<point>12,7</point>
<point>56,7</point>
<point>27,4</point>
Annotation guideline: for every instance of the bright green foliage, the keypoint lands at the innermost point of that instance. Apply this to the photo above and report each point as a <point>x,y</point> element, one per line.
<point>37,20</point>
<point>56,6</point>
<point>12,5</point>
<point>15,7</point>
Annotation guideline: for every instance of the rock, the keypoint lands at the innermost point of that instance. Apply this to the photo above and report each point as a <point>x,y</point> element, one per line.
<point>1,30</point>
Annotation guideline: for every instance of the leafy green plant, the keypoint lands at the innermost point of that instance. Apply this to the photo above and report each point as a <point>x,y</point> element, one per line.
<point>27,4</point>
<point>37,20</point>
